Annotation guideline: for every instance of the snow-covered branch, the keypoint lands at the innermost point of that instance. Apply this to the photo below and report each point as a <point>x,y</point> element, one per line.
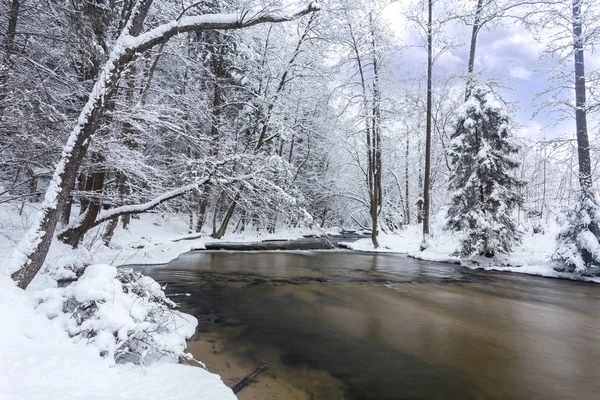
<point>129,209</point>
<point>237,20</point>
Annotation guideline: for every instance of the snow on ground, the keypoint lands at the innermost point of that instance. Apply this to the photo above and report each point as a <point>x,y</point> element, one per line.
<point>38,360</point>
<point>159,238</point>
<point>532,257</point>
<point>44,354</point>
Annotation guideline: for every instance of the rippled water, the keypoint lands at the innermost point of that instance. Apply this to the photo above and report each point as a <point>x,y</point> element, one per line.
<point>361,326</point>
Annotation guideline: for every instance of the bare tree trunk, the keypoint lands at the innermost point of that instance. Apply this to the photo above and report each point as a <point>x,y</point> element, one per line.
<point>376,168</point>
<point>426,187</point>
<point>66,213</point>
<point>369,134</point>
<point>9,50</point>
<point>218,67</point>
<point>204,199</point>
<point>223,228</point>
<point>110,228</point>
<point>583,145</point>
<point>128,133</point>
<point>407,182</point>
<point>474,33</point>
<point>74,236</point>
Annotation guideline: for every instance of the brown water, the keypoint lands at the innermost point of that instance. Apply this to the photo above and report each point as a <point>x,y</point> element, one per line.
<point>343,325</point>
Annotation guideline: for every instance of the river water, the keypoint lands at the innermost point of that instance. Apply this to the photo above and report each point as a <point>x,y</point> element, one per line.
<point>346,325</point>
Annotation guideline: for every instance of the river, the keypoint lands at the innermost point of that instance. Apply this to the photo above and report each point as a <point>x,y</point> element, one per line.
<point>347,325</point>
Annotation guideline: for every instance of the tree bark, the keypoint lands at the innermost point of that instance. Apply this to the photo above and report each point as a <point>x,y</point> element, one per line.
<point>223,228</point>
<point>375,146</point>
<point>426,186</point>
<point>471,64</point>
<point>406,180</point>
<point>583,145</point>
<point>74,236</point>
<point>9,50</point>
<point>218,67</point>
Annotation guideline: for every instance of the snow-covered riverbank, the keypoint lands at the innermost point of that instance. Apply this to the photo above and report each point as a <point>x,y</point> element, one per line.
<point>38,359</point>
<point>42,354</point>
<point>532,257</point>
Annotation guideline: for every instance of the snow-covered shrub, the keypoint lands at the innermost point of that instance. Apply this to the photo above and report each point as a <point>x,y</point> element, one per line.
<point>577,244</point>
<point>125,314</point>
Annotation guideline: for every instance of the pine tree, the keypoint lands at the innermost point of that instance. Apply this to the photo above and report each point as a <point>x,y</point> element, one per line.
<point>577,246</point>
<point>484,193</point>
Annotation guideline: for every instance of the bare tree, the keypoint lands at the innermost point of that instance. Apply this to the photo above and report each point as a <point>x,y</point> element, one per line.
<point>427,182</point>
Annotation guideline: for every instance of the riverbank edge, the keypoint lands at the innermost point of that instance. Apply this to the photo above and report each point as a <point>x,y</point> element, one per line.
<point>531,257</point>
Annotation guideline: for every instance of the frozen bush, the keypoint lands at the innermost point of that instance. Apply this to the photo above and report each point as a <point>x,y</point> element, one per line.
<point>125,314</point>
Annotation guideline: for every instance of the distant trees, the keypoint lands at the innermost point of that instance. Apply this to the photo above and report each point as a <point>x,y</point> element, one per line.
<point>484,191</point>
<point>361,37</point>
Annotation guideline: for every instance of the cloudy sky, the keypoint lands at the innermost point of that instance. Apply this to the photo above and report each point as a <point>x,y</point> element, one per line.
<point>507,52</point>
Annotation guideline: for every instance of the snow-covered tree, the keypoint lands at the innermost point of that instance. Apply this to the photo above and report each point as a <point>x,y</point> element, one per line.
<point>577,246</point>
<point>483,189</point>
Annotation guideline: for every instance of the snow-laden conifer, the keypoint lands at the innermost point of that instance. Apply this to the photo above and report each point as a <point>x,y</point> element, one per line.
<point>577,244</point>
<point>483,190</point>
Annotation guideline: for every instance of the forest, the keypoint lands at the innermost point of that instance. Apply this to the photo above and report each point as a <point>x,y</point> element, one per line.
<point>462,131</point>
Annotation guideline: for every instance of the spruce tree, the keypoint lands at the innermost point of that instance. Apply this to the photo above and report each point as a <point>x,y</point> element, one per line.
<point>484,192</point>
<point>577,246</point>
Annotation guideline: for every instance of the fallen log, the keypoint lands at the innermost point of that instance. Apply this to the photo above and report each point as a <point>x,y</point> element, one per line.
<point>248,379</point>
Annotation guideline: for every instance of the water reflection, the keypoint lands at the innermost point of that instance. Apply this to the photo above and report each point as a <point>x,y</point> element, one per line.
<point>388,327</point>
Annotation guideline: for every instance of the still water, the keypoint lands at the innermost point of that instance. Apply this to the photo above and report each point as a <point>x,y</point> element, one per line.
<point>345,325</point>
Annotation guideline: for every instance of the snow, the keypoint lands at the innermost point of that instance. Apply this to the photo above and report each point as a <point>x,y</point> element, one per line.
<point>211,21</point>
<point>38,360</point>
<point>532,257</point>
<point>45,354</point>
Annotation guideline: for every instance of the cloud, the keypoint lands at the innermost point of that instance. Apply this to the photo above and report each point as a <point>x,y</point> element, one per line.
<point>519,72</point>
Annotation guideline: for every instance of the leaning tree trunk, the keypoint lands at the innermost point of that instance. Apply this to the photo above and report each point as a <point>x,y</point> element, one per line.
<point>369,135</point>
<point>262,139</point>
<point>223,228</point>
<point>31,251</point>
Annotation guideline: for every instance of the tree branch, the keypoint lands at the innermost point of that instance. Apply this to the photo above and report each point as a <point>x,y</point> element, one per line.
<point>235,20</point>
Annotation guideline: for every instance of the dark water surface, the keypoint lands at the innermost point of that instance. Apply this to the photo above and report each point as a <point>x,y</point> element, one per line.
<point>389,327</point>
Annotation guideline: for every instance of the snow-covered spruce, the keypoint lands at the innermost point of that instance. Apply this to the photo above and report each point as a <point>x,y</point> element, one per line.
<point>123,313</point>
<point>484,193</point>
<point>577,244</point>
